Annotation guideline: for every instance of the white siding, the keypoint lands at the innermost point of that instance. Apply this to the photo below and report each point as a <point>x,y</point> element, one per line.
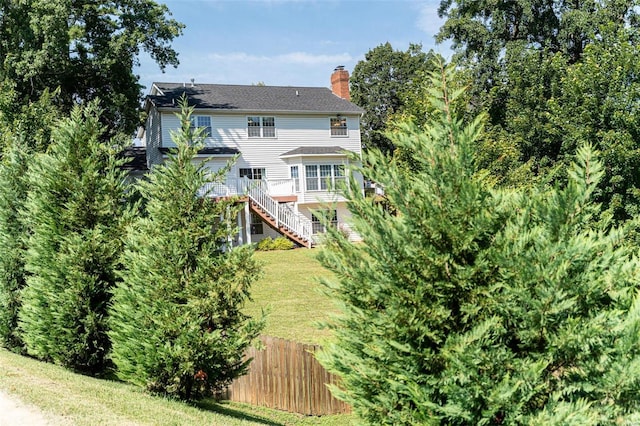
<point>342,213</point>
<point>153,131</point>
<point>292,131</point>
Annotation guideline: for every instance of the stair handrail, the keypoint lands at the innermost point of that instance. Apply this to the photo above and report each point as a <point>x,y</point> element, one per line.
<point>283,214</point>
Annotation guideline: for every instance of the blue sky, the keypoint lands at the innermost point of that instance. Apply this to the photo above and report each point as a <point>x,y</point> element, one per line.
<point>288,42</point>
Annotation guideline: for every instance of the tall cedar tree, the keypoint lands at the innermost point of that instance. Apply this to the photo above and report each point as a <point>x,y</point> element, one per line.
<point>76,214</point>
<point>13,194</point>
<point>176,321</point>
<point>471,306</point>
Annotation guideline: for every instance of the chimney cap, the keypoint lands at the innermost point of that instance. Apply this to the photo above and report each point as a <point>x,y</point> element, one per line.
<point>339,68</point>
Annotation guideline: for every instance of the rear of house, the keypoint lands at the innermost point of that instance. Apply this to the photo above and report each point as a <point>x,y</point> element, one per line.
<point>293,145</point>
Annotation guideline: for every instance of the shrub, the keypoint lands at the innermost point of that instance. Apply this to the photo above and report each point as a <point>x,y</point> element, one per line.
<point>279,243</point>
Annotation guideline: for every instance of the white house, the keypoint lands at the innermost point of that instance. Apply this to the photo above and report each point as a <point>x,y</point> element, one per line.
<point>293,145</point>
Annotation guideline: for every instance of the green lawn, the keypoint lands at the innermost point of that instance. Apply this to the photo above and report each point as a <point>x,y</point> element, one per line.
<point>290,292</point>
<point>79,400</point>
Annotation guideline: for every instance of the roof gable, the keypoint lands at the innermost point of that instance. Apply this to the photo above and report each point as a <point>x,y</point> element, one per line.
<point>257,99</point>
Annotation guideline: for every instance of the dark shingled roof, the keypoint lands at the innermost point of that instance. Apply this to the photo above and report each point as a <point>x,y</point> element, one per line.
<point>207,150</point>
<point>315,150</point>
<point>137,156</point>
<point>254,98</point>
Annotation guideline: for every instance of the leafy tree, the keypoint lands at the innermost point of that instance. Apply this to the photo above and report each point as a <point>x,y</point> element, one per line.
<point>13,233</point>
<point>31,122</point>
<point>380,83</point>
<point>599,104</point>
<point>76,218</point>
<point>176,321</point>
<point>470,305</point>
<point>86,49</point>
<point>520,55</point>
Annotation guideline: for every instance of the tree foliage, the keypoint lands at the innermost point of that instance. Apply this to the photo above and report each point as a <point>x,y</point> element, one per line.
<point>381,83</point>
<point>13,235</point>
<point>86,50</point>
<point>75,215</point>
<point>552,76</point>
<point>176,321</point>
<point>471,305</point>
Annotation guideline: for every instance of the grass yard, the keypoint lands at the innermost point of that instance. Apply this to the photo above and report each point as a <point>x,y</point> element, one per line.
<point>69,398</point>
<point>290,292</point>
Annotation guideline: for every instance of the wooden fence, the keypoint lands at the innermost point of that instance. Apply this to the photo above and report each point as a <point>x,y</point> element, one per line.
<point>286,376</point>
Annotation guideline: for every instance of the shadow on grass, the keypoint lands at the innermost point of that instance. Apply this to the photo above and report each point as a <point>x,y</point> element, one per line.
<point>216,407</point>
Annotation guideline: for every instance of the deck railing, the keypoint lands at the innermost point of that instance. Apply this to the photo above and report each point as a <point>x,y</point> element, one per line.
<point>261,192</point>
<point>283,214</point>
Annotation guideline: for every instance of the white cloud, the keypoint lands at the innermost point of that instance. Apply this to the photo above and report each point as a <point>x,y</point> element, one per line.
<point>311,59</point>
<point>428,19</point>
<point>286,69</point>
<point>303,58</point>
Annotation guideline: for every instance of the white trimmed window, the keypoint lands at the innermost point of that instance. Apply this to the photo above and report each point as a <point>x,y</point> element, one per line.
<point>323,177</point>
<point>316,225</point>
<point>202,121</point>
<point>261,127</point>
<point>295,176</point>
<point>256,174</point>
<point>339,126</point>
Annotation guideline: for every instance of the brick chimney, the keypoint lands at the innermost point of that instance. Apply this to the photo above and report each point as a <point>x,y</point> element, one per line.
<point>340,82</point>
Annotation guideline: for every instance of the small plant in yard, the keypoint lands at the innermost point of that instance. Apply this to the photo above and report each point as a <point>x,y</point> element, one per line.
<point>176,322</point>
<point>469,305</point>
<point>279,243</point>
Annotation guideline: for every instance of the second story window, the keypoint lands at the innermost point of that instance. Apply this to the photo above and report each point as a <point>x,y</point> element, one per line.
<point>202,121</point>
<point>338,126</point>
<point>261,127</point>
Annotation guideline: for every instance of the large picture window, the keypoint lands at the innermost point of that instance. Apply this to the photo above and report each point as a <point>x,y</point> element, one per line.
<point>261,127</point>
<point>324,177</point>
<point>202,121</point>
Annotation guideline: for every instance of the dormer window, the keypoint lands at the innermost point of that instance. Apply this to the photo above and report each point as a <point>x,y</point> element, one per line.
<point>202,121</point>
<point>338,126</point>
<point>261,127</point>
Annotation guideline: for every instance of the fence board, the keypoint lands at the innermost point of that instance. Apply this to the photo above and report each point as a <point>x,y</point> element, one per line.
<point>286,376</point>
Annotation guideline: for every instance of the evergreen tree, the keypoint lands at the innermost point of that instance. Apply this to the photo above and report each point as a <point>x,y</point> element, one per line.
<point>469,305</point>
<point>76,213</point>
<point>176,321</point>
<point>13,193</point>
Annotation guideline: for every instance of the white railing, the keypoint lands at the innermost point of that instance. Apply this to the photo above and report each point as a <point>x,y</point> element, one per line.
<point>282,213</point>
<point>239,186</point>
<point>280,186</point>
<point>260,192</point>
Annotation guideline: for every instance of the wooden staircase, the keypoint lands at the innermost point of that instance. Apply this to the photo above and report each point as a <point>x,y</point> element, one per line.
<point>280,217</point>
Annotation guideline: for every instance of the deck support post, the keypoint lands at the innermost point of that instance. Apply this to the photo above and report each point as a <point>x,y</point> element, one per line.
<point>247,223</point>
